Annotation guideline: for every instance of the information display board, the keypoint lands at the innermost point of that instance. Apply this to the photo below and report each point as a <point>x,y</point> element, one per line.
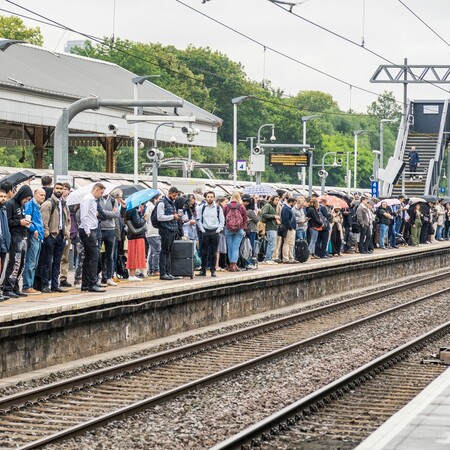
<point>289,159</point>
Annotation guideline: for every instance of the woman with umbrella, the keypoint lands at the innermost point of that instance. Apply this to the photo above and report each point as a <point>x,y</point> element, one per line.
<point>136,241</point>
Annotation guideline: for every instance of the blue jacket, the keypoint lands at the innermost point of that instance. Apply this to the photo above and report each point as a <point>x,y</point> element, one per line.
<point>32,208</point>
<point>5,238</point>
<point>288,217</point>
<point>414,158</point>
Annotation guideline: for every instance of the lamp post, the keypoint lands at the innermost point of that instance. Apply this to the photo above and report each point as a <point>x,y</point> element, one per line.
<point>272,139</point>
<point>136,81</point>
<point>355,156</point>
<point>310,172</point>
<point>155,162</point>
<point>236,101</point>
<point>322,184</point>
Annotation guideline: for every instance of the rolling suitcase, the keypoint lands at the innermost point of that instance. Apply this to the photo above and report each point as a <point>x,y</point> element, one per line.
<point>301,251</point>
<point>182,260</point>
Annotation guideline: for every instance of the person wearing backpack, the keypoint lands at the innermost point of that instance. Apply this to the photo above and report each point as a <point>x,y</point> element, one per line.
<point>235,224</point>
<point>271,219</point>
<point>167,221</point>
<point>210,220</point>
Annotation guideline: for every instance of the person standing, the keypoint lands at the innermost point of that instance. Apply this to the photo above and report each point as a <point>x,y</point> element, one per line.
<point>315,225</point>
<point>288,222</point>
<point>64,272</point>
<point>210,220</point>
<point>416,227</point>
<point>414,161</point>
<point>168,217</point>
<point>18,226</point>
<point>5,236</point>
<point>153,239</point>
<point>88,235</point>
<point>137,226</point>
<point>46,182</point>
<point>270,218</point>
<point>363,218</point>
<point>36,237</point>
<point>56,219</point>
<point>235,225</point>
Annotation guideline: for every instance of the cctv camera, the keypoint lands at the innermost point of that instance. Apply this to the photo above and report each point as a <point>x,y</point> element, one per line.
<point>339,162</point>
<point>444,177</point>
<point>190,131</point>
<point>323,173</point>
<point>113,127</point>
<point>273,138</point>
<point>372,178</point>
<point>173,140</point>
<point>257,151</point>
<point>151,153</point>
<point>141,145</point>
<point>420,177</point>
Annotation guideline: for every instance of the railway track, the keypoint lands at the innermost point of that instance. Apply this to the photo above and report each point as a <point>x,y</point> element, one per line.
<point>346,411</point>
<point>35,418</point>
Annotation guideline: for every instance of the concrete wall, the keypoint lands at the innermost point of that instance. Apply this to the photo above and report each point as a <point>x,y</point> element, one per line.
<point>43,341</point>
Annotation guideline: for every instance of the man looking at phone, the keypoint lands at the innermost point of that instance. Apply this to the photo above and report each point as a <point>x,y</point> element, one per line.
<point>18,227</point>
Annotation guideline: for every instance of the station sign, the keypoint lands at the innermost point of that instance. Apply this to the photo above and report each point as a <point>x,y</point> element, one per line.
<point>289,159</point>
<point>241,164</point>
<point>374,188</point>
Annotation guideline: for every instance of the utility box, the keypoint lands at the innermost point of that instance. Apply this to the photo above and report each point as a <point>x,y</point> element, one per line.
<point>257,163</point>
<point>444,355</point>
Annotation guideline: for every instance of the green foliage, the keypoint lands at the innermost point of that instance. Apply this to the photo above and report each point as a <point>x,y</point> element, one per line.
<point>386,107</point>
<point>14,28</point>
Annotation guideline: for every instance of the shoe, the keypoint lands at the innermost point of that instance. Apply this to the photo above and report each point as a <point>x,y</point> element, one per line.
<point>77,285</point>
<point>10,294</point>
<point>20,294</point>
<point>116,280</point>
<point>95,289</point>
<point>156,274</point>
<point>251,267</point>
<point>46,290</point>
<point>202,273</point>
<point>30,291</point>
<point>6,296</point>
<point>134,279</point>
<point>174,277</point>
<point>58,289</point>
<point>101,284</point>
<point>213,274</point>
<point>65,283</point>
<point>166,277</point>
<point>110,282</point>
<point>395,246</point>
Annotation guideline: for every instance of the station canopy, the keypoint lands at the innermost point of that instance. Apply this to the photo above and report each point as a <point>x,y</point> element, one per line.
<point>36,84</point>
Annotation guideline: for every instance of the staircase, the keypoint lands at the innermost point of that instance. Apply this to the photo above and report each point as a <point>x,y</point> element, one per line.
<point>426,148</point>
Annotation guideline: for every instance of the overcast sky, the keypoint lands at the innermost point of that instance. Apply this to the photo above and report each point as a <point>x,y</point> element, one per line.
<point>388,28</point>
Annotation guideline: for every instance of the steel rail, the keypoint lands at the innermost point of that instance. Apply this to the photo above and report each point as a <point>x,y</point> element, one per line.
<point>124,412</point>
<point>315,401</point>
<point>106,374</point>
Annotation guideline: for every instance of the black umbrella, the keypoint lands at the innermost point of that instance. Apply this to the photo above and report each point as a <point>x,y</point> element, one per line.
<point>430,198</point>
<point>129,189</point>
<point>18,177</point>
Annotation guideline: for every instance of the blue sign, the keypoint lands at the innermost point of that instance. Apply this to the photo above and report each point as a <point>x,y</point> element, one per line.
<point>442,190</point>
<point>374,188</point>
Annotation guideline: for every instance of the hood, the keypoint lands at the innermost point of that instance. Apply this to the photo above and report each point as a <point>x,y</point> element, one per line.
<point>23,192</point>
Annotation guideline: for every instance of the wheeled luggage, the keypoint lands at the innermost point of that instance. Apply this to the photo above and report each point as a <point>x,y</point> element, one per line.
<point>182,261</point>
<point>301,251</point>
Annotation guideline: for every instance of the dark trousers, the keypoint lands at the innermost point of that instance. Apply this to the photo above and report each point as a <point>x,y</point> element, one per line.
<point>210,244</point>
<point>167,240</point>
<point>17,254</point>
<point>89,276</point>
<point>322,243</point>
<point>109,240</point>
<point>53,249</point>
<point>364,239</point>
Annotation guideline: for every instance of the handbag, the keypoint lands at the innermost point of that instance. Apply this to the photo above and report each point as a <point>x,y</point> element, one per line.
<point>135,230</point>
<point>282,231</point>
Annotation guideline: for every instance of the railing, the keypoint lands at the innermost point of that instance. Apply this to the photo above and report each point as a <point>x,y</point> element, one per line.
<point>435,166</point>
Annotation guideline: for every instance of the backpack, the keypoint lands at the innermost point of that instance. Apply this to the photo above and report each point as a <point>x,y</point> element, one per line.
<point>154,217</point>
<point>245,249</point>
<point>234,220</point>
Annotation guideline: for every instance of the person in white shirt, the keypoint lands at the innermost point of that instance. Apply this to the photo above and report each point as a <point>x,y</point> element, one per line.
<point>88,235</point>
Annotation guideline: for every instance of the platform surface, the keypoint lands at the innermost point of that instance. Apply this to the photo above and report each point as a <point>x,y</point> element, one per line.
<point>74,299</point>
<point>424,423</point>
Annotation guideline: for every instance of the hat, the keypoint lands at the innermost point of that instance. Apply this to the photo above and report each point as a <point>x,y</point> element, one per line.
<point>246,198</point>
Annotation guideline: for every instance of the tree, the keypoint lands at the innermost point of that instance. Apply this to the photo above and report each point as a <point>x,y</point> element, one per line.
<point>14,28</point>
<point>314,101</point>
<point>386,107</point>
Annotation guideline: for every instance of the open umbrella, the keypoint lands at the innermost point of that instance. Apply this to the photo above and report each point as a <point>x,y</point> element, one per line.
<point>18,177</point>
<point>129,189</point>
<point>414,200</point>
<point>259,189</point>
<point>343,196</point>
<point>389,201</point>
<point>336,202</point>
<point>430,198</point>
<point>140,197</point>
<point>75,197</point>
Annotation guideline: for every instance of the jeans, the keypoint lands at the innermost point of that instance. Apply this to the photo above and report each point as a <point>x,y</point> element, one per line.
<point>300,234</point>
<point>31,262</point>
<point>271,240</point>
<point>154,243</point>
<point>234,239</point>
<point>108,239</point>
<point>313,234</point>
<point>252,236</point>
<point>53,250</point>
<point>383,233</point>
<point>439,230</point>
